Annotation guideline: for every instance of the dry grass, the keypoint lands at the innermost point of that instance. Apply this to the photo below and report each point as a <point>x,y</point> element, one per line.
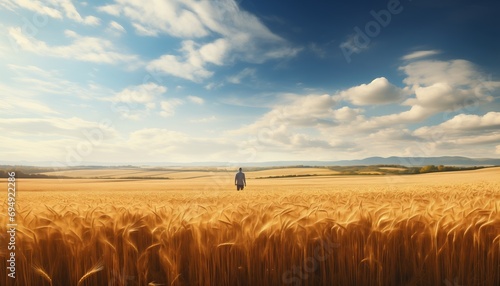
<point>433,229</point>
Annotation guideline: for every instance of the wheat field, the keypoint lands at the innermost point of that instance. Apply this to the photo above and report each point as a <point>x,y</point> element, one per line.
<point>430,229</point>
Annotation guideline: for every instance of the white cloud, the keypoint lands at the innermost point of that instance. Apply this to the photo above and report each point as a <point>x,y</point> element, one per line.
<point>391,134</point>
<point>116,28</point>
<point>497,150</point>
<point>172,65</point>
<point>446,85</point>
<point>239,34</point>
<point>190,66</point>
<point>204,120</point>
<point>113,10</point>
<point>439,86</point>
<point>16,148</point>
<point>88,49</point>
<point>196,99</point>
<point>297,112</point>
<point>55,9</point>
<point>420,54</point>
<point>483,139</point>
<point>246,72</point>
<point>213,85</point>
<point>288,124</point>
<point>154,138</point>
<point>73,127</point>
<point>168,107</point>
<point>14,103</point>
<point>304,110</point>
<point>144,31</point>
<point>30,90</point>
<point>443,97</point>
<point>72,13</point>
<point>144,94</point>
<point>345,114</point>
<point>469,121</point>
<point>303,122</point>
<point>464,124</point>
<point>135,102</point>
<point>215,52</point>
<point>169,17</point>
<point>379,91</point>
<point>162,145</point>
<point>455,73</point>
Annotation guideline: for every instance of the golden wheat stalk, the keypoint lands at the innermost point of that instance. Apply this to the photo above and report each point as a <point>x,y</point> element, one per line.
<point>96,268</point>
<point>42,273</point>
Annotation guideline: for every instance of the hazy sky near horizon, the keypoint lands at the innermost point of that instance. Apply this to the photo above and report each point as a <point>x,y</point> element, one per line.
<point>250,80</point>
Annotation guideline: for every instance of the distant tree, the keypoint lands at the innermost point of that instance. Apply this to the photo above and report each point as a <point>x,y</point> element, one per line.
<point>441,168</point>
<point>428,168</point>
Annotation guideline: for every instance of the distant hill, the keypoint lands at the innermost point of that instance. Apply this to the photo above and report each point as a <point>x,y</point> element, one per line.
<point>422,161</point>
<point>402,161</point>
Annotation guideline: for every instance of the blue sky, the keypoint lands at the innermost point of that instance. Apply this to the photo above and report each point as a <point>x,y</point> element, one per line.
<point>247,81</point>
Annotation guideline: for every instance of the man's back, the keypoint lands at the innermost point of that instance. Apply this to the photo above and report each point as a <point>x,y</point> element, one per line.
<point>240,179</point>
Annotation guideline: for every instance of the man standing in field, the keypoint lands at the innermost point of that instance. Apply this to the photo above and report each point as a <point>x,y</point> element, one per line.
<point>240,181</point>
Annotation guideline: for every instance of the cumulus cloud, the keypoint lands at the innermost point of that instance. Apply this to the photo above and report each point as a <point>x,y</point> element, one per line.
<point>303,110</point>
<point>289,124</point>
<point>443,97</point>
<point>437,86</point>
<point>346,113</point>
<point>446,85</point>
<point>379,91</point>
<point>82,48</point>
<point>464,124</point>
<point>456,73</point>
<point>326,122</point>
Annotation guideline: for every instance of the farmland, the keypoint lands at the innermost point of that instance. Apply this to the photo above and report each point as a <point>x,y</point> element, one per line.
<point>191,227</point>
